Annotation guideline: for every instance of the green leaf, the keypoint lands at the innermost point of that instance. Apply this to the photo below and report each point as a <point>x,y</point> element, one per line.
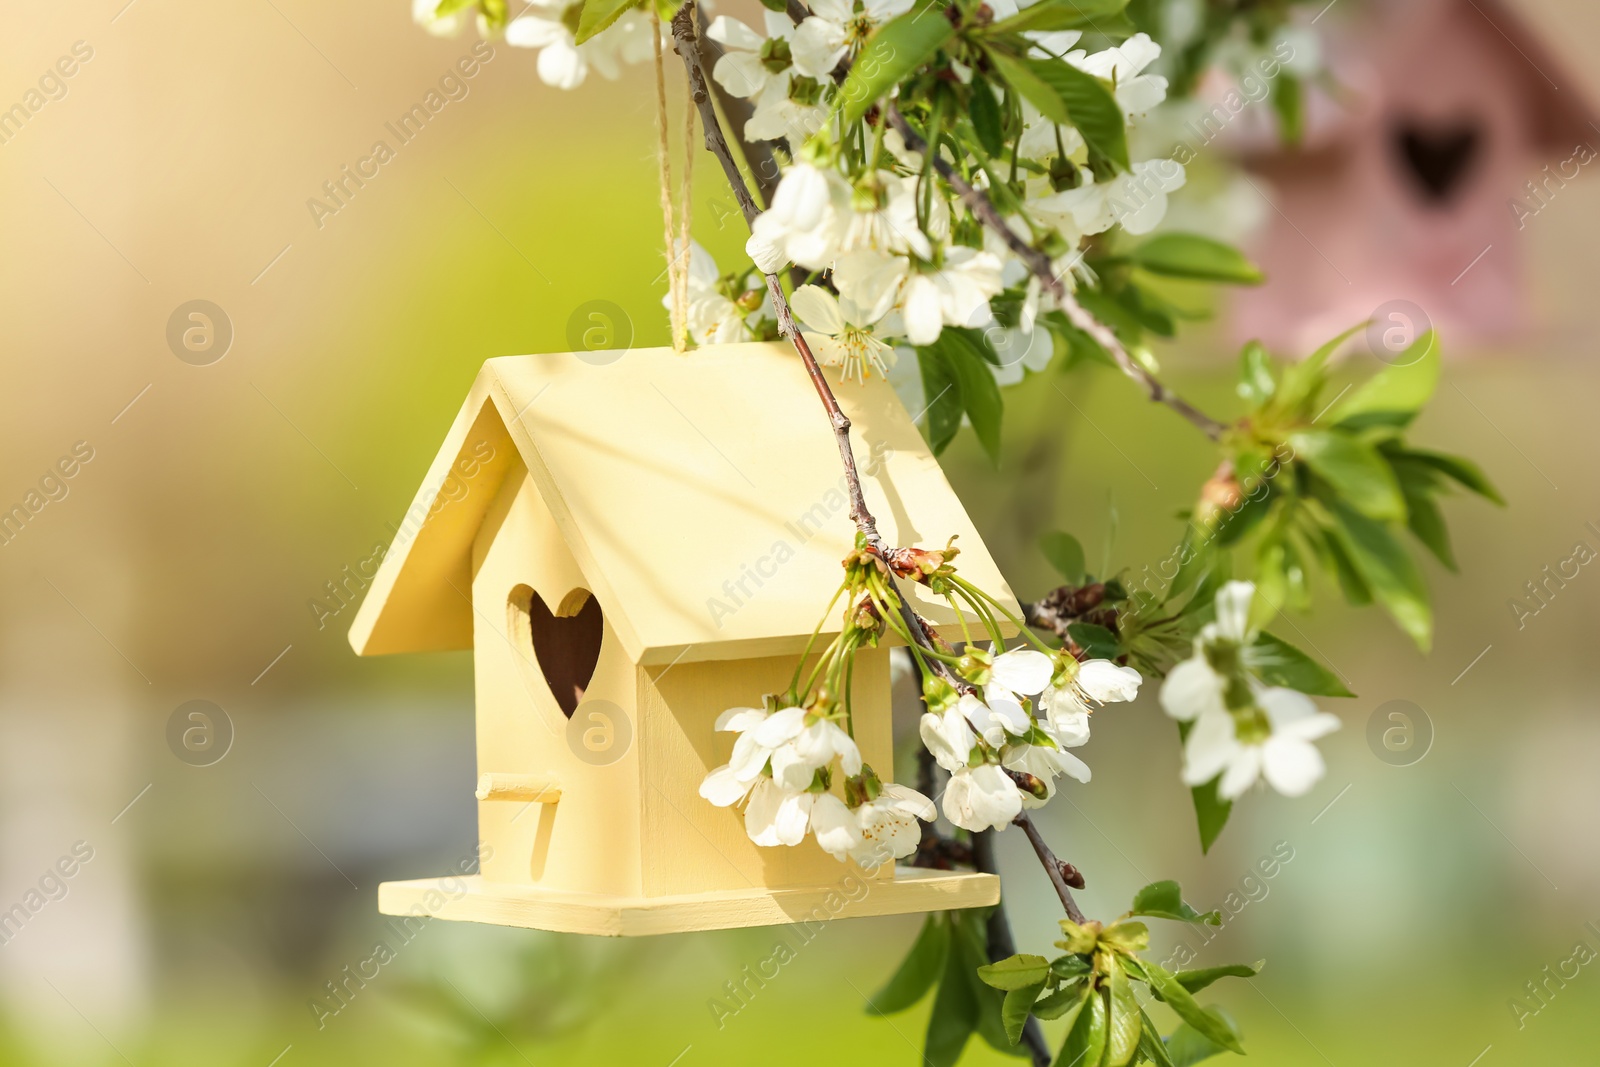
<point>1064,553</point>
<point>891,54</point>
<point>1066,1001</point>
<point>1089,106</point>
<point>1255,374</point>
<point>917,972</point>
<point>1086,1040</point>
<point>1354,469</point>
<point>1351,584</point>
<point>1394,395</point>
<point>1301,381</point>
<point>598,14</point>
<point>1015,972</point>
<point>446,8</point>
<point>1180,1000</point>
<point>1287,105</point>
<point>1129,936</point>
<point>1164,900</point>
<point>970,948</point>
<point>1020,76</point>
<point>943,398</point>
<point>1151,1047</point>
<point>1058,15</point>
<point>1189,255</point>
<point>1072,965</point>
<point>1122,1020</point>
<point>1210,810</point>
<point>1188,1046</point>
<point>1194,981</point>
<point>1123,322</point>
<point>1195,555</point>
<point>1425,520</point>
<point>1277,662</point>
<point>1463,471</point>
<point>980,393</point>
<point>984,111</point>
<point>1096,640</point>
<point>954,1016</point>
<point>1017,1007</point>
<point>1388,571</point>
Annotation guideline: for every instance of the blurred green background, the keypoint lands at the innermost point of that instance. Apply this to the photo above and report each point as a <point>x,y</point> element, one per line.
<point>221,900</point>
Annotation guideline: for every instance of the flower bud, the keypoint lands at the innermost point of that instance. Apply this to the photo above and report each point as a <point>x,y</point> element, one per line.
<point>938,694</point>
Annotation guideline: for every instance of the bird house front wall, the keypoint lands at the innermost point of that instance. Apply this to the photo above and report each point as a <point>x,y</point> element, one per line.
<point>586,841</point>
<point>688,845</point>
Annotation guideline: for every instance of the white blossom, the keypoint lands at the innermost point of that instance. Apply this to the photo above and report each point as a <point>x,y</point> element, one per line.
<point>982,798</point>
<point>565,64</point>
<point>1068,704</point>
<point>925,298</point>
<point>840,336</point>
<point>806,220</point>
<point>1123,65</point>
<point>835,28</point>
<point>1279,748</point>
<point>949,737</point>
<point>750,61</point>
<point>889,825</point>
<point>814,746</point>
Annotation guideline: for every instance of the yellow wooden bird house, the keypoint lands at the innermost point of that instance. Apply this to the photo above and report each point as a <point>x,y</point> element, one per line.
<point>631,543</point>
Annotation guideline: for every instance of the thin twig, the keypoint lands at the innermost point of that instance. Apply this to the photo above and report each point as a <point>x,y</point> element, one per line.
<point>1052,867</point>
<point>1039,263</point>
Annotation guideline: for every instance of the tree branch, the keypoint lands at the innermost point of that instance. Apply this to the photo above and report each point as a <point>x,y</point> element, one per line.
<point>686,43</point>
<point>1039,264</point>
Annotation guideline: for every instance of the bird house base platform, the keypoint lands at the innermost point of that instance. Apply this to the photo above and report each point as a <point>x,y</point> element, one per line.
<point>913,889</point>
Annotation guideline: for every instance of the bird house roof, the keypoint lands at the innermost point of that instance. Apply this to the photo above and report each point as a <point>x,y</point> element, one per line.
<point>701,495</point>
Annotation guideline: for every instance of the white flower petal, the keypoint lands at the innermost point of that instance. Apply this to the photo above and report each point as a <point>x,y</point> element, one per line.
<point>741,719</point>
<point>761,814</point>
<point>782,725</point>
<point>817,308</point>
<point>1291,765</point>
<point>723,788</point>
<point>741,73</point>
<point>1108,682</point>
<point>734,34</point>
<point>1211,747</point>
<point>1244,770</point>
<point>1025,671</point>
<point>1192,689</point>
<point>1233,610</point>
<point>834,826</point>
<point>794,816</point>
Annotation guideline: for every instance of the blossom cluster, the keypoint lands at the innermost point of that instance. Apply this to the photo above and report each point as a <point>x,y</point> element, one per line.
<point>894,256</point>
<point>1003,740</point>
<point>904,256</point>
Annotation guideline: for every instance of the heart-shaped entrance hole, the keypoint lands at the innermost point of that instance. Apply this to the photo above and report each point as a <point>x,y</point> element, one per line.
<point>566,642</point>
<point>1438,158</point>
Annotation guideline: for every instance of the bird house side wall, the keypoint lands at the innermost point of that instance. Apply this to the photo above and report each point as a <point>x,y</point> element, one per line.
<point>588,840</point>
<point>689,846</point>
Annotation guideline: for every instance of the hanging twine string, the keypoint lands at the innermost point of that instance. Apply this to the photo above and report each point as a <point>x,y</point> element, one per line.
<point>686,211</point>
<point>676,234</point>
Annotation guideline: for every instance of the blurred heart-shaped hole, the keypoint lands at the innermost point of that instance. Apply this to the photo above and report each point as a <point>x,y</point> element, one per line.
<point>1438,158</point>
<point>566,642</point>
